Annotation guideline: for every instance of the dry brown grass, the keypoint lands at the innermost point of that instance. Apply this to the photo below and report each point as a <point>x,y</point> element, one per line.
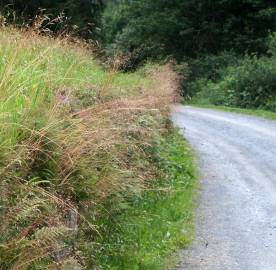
<point>79,166</point>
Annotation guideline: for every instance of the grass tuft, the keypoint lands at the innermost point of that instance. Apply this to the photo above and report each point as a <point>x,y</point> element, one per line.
<point>79,154</point>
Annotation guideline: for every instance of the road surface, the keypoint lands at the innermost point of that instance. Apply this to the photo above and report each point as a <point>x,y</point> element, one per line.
<point>236,218</point>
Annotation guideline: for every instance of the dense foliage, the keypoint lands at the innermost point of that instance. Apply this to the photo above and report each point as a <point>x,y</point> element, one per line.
<point>249,82</point>
<point>154,29</point>
<point>81,16</point>
<point>146,29</point>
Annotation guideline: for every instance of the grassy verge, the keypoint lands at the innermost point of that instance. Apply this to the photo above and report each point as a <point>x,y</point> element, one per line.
<point>255,112</point>
<point>85,183</point>
<point>160,221</point>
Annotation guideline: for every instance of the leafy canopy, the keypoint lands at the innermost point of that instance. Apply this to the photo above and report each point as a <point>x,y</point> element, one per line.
<point>187,28</point>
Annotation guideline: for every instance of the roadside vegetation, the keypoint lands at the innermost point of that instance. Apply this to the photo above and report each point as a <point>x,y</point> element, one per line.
<point>93,176</point>
<point>224,50</point>
<point>155,225</point>
<point>248,82</point>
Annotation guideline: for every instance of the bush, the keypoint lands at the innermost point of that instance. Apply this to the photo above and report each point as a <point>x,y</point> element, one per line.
<point>250,84</point>
<point>209,93</point>
<point>197,72</point>
<point>211,67</point>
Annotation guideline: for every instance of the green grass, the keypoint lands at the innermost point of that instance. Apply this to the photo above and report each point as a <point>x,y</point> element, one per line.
<point>255,112</point>
<point>159,222</point>
<point>49,160</point>
<point>33,69</point>
<point>77,138</point>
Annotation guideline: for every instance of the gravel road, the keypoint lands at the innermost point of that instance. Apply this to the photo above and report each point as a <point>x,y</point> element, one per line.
<point>236,218</point>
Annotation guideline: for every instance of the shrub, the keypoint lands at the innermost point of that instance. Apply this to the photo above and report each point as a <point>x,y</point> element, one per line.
<point>211,67</point>
<point>210,93</point>
<point>197,72</point>
<point>250,84</point>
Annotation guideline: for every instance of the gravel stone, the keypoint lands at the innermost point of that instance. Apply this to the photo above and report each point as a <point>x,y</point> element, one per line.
<point>236,217</point>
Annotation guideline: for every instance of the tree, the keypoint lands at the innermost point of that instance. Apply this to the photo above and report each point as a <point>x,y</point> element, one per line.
<point>187,28</point>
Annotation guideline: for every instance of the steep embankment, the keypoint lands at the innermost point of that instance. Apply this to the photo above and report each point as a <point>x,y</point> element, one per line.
<point>90,172</point>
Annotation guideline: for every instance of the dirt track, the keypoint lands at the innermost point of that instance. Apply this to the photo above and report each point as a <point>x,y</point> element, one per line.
<point>236,219</point>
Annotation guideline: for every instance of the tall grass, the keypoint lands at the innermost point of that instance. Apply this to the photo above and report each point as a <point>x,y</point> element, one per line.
<point>74,149</point>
